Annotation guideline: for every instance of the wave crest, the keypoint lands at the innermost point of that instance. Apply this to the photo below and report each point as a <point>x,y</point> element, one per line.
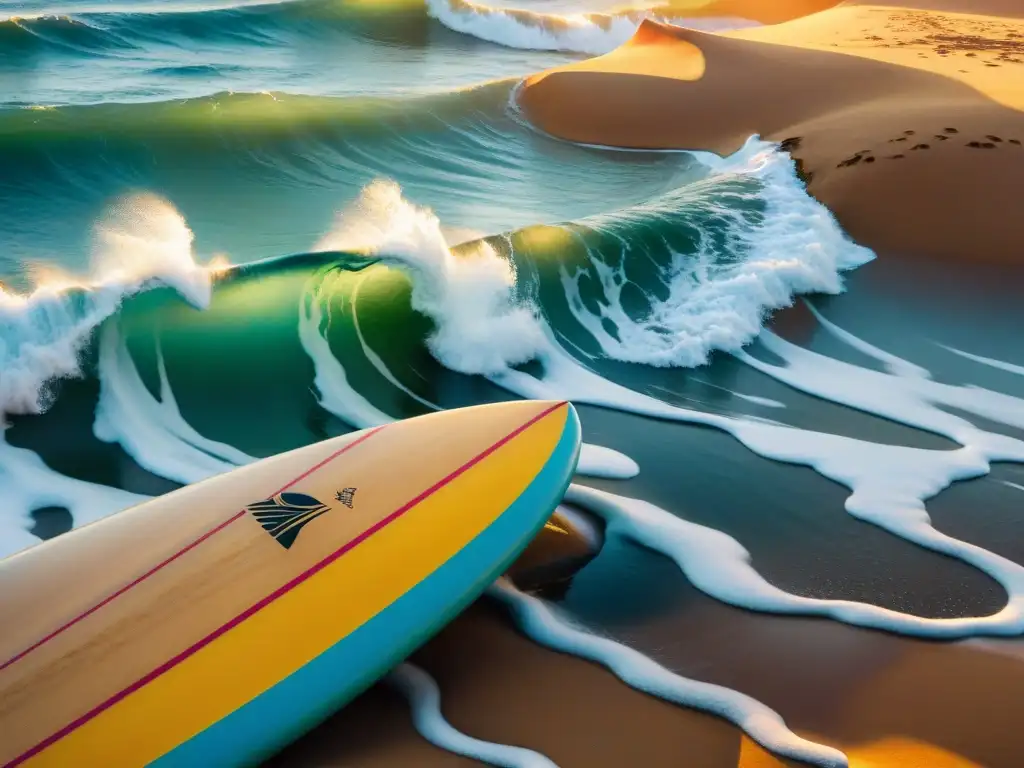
<point>590,33</point>
<point>663,283</point>
<point>142,241</point>
<point>481,325</point>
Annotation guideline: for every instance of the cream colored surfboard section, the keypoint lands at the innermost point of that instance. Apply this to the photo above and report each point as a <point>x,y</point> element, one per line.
<point>88,615</point>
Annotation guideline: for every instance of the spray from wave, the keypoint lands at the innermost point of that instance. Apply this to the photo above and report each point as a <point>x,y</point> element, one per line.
<point>481,325</point>
<point>725,252</point>
<point>591,33</point>
<point>142,242</point>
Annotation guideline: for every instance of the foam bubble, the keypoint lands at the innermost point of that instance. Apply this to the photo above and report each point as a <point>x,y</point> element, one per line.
<point>425,698</point>
<point>593,33</point>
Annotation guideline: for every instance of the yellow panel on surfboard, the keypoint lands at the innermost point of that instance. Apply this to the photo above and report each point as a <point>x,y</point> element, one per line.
<point>215,624</point>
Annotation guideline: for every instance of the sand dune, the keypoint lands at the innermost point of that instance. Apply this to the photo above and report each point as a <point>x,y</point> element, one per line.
<point>765,12</point>
<point>908,124</point>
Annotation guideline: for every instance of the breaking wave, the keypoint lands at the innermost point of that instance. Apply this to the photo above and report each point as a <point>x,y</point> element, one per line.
<point>590,33</point>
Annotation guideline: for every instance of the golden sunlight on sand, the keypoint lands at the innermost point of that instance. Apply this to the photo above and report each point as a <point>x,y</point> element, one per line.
<point>907,123</point>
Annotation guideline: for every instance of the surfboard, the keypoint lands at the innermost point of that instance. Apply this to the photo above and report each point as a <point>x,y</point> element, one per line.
<point>215,624</point>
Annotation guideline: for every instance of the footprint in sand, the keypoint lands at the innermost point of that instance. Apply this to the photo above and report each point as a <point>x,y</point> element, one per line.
<point>994,138</point>
<point>854,159</point>
<point>920,146</point>
<point>981,145</point>
<point>896,157</point>
<point>951,130</point>
<point>1015,141</point>
<point>940,137</point>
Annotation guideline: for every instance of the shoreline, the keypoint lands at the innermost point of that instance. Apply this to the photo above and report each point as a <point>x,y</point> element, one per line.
<point>907,124</point>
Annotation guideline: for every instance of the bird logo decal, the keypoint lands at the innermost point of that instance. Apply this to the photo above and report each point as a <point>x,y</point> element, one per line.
<point>284,515</point>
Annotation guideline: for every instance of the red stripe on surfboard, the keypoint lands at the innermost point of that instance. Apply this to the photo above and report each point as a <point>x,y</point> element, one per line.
<point>285,588</point>
<point>237,516</point>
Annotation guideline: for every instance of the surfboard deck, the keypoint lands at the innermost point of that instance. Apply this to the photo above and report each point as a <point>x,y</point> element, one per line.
<point>215,624</point>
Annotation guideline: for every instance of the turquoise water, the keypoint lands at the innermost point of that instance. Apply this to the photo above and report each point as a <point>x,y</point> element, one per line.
<point>228,230</point>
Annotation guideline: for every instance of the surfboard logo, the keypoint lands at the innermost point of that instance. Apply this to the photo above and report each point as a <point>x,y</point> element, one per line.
<point>285,514</point>
<point>345,496</point>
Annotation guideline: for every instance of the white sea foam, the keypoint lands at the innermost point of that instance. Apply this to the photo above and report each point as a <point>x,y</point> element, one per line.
<point>375,359</point>
<point>481,328</point>
<point>593,33</point>
<point>765,402</point>
<point>141,242</point>
<point>889,484</point>
<point>425,699</point>
<point>895,365</point>
<point>542,624</point>
<point>598,461</point>
<point>335,393</point>
<point>584,525</point>
<point>27,484</point>
<point>714,301</point>
<point>1001,365</point>
<point>152,431</point>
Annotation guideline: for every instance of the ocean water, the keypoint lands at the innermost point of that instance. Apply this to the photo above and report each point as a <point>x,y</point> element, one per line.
<point>230,229</point>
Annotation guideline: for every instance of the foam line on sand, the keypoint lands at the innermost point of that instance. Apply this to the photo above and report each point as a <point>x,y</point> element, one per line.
<point>424,697</point>
<point>540,622</point>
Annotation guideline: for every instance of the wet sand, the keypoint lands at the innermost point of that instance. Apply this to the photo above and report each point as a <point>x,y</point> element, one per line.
<point>499,686</point>
<point>882,699</point>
